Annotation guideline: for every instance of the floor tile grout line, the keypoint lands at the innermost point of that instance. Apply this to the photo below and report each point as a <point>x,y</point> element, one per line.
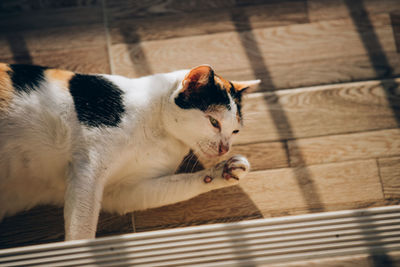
<point>352,160</point>
<point>314,136</point>
<point>287,152</point>
<point>107,34</point>
<point>394,31</point>
<point>133,221</point>
<point>380,177</point>
<point>228,31</point>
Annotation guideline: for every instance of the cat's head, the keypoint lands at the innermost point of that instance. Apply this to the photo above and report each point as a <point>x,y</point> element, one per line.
<point>208,111</point>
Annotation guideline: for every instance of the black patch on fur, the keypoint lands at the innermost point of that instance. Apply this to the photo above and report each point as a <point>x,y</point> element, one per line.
<point>208,96</point>
<point>237,97</point>
<point>98,102</point>
<point>26,78</point>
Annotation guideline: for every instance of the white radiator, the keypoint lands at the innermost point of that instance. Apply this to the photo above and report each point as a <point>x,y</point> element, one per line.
<point>276,240</point>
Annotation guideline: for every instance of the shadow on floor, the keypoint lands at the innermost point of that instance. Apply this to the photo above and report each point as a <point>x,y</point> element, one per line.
<point>376,54</point>
<point>19,49</point>
<point>137,54</point>
<point>45,224</point>
<point>281,122</point>
<point>377,57</point>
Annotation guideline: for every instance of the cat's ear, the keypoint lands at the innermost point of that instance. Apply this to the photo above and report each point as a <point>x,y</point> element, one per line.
<point>197,78</point>
<point>245,86</point>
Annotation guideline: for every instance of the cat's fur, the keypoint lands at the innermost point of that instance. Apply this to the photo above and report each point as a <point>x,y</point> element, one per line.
<point>92,142</point>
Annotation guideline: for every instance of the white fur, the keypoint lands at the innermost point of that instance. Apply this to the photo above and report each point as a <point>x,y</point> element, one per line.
<point>48,157</point>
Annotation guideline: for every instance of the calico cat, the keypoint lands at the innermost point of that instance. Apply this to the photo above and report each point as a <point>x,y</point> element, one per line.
<point>92,142</point>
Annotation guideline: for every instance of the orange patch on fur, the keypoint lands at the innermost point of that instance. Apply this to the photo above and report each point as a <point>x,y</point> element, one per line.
<point>60,76</point>
<point>224,84</point>
<point>6,88</point>
<point>4,67</point>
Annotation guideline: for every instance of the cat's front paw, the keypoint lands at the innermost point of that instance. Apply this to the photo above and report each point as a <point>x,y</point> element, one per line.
<point>235,168</point>
<point>229,172</point>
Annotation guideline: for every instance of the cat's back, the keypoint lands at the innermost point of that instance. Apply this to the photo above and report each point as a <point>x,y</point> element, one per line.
<point>22,83</point>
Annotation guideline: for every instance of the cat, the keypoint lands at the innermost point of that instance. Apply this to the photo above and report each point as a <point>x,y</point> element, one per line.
<point>99,141</point>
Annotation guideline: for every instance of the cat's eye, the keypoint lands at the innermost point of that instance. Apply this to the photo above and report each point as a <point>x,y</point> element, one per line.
<point>235,131</point>
<point>214,123</point>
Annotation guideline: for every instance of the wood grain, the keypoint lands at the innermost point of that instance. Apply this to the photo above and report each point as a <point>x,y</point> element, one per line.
<point>15,6</point>
<point>319,72</point>
<point>285,188</point>
<point>133,29</point>
<point>273,192</point>
<point>50,39</point>
<point>263,156</point>
<point>395,18</point>
<point>39,225</point>
<point>259,50</point>
<point>334,9</point>
<point>390,175</point>
<point>336,148</point>
<point>85,60</point>
<point>122,9</point>
<point>44,18</point>
<point>321,110</point>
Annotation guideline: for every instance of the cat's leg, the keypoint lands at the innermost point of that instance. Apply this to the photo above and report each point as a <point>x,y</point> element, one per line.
<point>156,192</point>
<point>82,201</point>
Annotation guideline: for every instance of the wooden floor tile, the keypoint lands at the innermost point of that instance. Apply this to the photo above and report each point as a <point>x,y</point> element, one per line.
<point>39,225</point>
<point>345,147</point>
<point>390,175</point>
<point>395,17</point>
<point>56,17</point>
<point>50,39</point>
<point>132,29</point>
<point>272,192</point>
<point>123,9</point>
<point>319,72</point>
<point>263,156</point>
<point>321,110</point>
<point>262,51</point>
<point>64,34</point>
<point>85,60</point>
<point>333,9</point>
<point>330,183</point>
<point>15,6</point>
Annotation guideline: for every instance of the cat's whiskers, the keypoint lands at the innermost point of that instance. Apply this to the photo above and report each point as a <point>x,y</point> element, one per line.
<point>185,161</point>
<point>195,163</point>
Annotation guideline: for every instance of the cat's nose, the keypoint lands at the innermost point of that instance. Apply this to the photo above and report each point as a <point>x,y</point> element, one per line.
<point>223,148</point>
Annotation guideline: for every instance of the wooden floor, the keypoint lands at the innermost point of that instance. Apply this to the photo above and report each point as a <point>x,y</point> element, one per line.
<point>322,134</point>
